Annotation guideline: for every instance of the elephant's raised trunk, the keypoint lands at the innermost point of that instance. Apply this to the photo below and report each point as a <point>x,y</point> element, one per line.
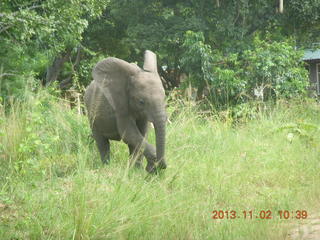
<point>160,131</point>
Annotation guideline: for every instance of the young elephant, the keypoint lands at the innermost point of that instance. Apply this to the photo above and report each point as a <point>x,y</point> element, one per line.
<point>120,101</point>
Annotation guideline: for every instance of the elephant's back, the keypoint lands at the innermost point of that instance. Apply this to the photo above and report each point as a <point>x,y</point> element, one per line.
<point>100,113</point>
<point>95,100</point>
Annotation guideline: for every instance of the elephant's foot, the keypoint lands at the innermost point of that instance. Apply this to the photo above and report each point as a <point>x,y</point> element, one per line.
<point>162,165</point>
<point>105,161</point>
<point>153,167</point>
<point>150,168</point>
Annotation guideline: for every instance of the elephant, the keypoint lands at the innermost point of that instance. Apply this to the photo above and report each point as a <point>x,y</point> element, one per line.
<point>121,100</point>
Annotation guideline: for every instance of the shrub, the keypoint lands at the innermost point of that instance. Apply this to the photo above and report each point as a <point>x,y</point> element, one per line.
<point>268,70</point>
<point>275,66</point>
<point>36,130</point>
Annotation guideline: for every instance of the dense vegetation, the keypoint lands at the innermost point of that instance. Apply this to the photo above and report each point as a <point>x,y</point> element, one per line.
<point>243,135</point>
<point>225,49</point>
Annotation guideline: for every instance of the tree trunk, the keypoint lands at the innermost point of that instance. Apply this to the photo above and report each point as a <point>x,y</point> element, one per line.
<point>66,83</point>
<point>281,6</point>
<point>200,92</point>
<point>54,70</point>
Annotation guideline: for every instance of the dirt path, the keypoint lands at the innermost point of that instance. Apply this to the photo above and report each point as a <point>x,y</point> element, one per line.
<point>309,229</point>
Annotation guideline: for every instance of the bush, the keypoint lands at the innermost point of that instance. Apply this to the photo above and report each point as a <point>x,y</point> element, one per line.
<point>269,70</point>
<point>36,130</point>
<point>275,66</point>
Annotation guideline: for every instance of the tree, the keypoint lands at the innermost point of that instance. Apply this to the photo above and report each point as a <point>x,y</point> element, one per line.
<point>32,33</point>
<point>57,40</point>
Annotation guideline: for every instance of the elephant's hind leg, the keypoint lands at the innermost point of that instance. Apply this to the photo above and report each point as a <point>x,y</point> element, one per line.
<point>103,145</point>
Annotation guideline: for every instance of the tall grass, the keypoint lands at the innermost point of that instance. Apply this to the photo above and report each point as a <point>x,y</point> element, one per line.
<point>53,186</point>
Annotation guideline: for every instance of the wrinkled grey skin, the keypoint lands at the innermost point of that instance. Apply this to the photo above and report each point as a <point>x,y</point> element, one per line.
<point>120,101</point>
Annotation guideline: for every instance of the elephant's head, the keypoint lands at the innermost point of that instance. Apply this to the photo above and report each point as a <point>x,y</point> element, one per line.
<point>136,92</point>
<point>145,92</point>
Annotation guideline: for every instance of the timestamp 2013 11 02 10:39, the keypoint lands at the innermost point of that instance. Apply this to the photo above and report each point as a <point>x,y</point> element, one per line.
<point>261,214</point>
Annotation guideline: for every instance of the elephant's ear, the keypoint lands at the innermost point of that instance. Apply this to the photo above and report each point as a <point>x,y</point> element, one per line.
<point>150,61</point>
<point>112,76</point>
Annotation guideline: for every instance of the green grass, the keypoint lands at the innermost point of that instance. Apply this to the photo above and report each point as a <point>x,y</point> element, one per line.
<point>53,186</point>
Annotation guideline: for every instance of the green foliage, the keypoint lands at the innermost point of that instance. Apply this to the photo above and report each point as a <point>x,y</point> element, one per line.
<point>36,130</point>
<point>302,20</point>
<point>277,66</point>
<point>56,24</point>
<point>32,33</point>
<point>214,42</point>
<point>269,69</point>
<point>305,131</point>
<point>197,58</point>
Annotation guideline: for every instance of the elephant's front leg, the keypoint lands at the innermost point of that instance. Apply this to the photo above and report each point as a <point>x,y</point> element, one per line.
<point>131,135</point>
<point>136,156</point>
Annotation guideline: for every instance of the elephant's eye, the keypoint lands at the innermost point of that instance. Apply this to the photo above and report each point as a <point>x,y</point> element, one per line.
<point>141,101</point>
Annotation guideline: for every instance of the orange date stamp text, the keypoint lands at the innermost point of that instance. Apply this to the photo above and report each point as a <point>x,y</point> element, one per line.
<point>260,214</point>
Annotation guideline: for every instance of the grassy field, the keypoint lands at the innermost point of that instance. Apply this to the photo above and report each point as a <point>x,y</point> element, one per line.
<point>53,186</point>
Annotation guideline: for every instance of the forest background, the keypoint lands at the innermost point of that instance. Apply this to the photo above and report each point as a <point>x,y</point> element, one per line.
<point>229,51</point>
